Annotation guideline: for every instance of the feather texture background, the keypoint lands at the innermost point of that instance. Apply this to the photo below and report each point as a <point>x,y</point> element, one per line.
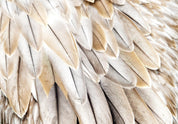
<point>88,61</point>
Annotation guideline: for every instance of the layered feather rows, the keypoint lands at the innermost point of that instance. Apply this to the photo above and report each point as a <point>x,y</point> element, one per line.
<point>95,61</point>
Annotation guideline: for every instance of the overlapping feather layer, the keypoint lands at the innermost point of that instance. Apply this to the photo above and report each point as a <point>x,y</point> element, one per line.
<point>88,62</point>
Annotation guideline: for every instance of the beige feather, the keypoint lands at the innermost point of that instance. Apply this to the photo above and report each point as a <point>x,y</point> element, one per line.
<point>3,22</point>
<point>83,112</point>
<point>47,104</point>
<point>38,12</point>
<point>19,89</point>
<point>143,44</point>
<point>46,76</point>
<point>61,40</point>
<point>30,29</point>
<point>24,4</point>
<point>146,60</point>
<point>33,113</point>
<point>62,74</point>
<point>60,83</point>
<point>141,112</point>
<point>30,56</point>
<point>129,10</point>
<point>57,44</point>
<point>3,83</point>
<point>88,68</point>
<point>85,37</point>
<point>8,64</point>
<point>113,47</point>
<point>9,8</point>
<point>134,62</point>
<point>74,88</point>
<point>105,8</point>
<point>118,100</point>
<point>141,82</point>
<point>98,102</point>
<point>122,33</point>
<point>109,52</point>
<point>156,104</point>
<point>10,38</point>
<point>99,39</point>
<point>66,114</point>
<point>95,17</point>
<point>117,118</point>
<point>95,59</point>
<point>120,73</point>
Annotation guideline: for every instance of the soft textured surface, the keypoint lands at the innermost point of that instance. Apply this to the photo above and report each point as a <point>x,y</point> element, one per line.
<point>88,61</point>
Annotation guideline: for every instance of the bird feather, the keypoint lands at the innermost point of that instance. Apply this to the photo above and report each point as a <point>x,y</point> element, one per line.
<point>58,37</point>
<point>10,38</point>
<point>129,10</point>
<point>19,89</point>
<point>118,100</point>
<point>46,76</point>
<point>120,73</point>
<point>98,101</point>
<point>156,105</point>
<point>139,108</point>
<point>99,38</point>
<point>137,66</point>
<point>105,8</point>
<point>30,29</point>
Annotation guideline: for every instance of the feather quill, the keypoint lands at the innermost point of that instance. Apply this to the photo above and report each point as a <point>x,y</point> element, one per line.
<point>129,10</point>
<point>96,60</point>
<point>113,47</point>
<point>99,39</point>
<point>105,8</point>
<point>58,37</point>
<point>30,56</point>
<point>30,29</point>
<point>137,66</point>
<point>85,37</point>
<point>143,44</point>
<point>122,33</point>
<point>8,64</point>
<point>19,89</point>
<point>73,87</point>
<point>98,102</point>
<point>120,73</point>
<point>10,38</point>
<point>88,67</point>
<point>38,12</point>
<point>3,22</point>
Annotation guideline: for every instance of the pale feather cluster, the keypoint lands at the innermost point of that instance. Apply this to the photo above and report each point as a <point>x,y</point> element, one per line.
<point>88,61</point>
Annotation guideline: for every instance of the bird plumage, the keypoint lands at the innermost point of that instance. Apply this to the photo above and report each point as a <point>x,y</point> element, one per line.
<point>88,61</point>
